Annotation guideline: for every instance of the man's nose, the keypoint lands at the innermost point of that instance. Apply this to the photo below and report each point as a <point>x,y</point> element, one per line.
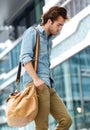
<point>60,28</point>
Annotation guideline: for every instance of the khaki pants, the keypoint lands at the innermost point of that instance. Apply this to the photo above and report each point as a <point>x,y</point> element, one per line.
<point>50,102</point>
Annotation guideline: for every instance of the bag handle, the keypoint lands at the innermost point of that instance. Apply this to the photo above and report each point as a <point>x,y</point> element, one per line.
<point>36,54</point>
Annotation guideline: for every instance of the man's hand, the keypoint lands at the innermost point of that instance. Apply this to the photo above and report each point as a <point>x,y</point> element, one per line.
<point>39,83</point>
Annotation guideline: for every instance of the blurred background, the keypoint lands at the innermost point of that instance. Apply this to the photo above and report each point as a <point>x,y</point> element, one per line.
<point>70,57</point>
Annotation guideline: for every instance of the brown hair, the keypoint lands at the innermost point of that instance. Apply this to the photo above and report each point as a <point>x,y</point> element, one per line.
<point>53,13</point>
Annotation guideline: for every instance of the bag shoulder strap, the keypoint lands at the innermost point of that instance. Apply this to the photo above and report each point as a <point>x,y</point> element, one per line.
<point>36,54</point>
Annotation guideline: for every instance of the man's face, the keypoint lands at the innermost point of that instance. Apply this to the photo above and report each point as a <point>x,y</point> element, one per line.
<point>56,26</point>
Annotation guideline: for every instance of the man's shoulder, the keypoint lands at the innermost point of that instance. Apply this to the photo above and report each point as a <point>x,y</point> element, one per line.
<point>30,31</point>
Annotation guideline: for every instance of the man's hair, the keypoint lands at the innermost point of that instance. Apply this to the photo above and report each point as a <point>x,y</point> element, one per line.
<point>53,13</point>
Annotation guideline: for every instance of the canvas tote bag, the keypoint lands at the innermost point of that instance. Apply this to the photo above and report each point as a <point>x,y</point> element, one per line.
<point>22,107</point>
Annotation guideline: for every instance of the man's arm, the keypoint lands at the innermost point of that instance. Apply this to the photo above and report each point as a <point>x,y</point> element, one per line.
<point>30,70</point>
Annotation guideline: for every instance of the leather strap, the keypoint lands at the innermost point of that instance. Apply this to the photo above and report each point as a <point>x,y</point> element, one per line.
<point>36,54</point>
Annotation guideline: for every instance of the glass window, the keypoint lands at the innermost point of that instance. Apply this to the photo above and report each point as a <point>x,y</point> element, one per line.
<point>30,16</point>
<point>72,79</point>
<point>9,62</point>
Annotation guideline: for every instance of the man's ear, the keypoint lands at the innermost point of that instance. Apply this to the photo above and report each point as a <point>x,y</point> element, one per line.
<point>49,21</point>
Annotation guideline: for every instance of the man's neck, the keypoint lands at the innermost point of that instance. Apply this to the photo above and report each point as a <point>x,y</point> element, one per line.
<point>46,30</point>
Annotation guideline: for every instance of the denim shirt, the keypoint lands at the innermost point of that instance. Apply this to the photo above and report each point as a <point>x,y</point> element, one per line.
<point>27,54</point>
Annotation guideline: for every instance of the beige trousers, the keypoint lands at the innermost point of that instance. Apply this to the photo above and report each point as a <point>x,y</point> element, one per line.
<point>50,102</point>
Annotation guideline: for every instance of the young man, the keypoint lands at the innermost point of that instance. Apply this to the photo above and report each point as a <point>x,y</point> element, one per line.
<point>49,101</point>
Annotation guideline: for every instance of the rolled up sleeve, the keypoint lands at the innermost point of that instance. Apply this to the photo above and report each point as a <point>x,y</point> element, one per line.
<point>28,45</point>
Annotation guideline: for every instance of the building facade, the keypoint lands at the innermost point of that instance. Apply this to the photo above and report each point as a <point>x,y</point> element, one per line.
<point>70,59</point>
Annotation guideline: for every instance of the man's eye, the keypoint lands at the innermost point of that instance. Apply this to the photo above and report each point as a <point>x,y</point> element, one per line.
<point>60,25</point>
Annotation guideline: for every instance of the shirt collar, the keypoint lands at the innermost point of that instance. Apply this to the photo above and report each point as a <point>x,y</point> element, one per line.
<point>41,30</point>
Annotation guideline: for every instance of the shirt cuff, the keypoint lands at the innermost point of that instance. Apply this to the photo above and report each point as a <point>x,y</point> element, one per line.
<point>26,60</point>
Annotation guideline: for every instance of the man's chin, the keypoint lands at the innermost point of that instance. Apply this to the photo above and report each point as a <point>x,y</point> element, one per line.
<point>55,33</point>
